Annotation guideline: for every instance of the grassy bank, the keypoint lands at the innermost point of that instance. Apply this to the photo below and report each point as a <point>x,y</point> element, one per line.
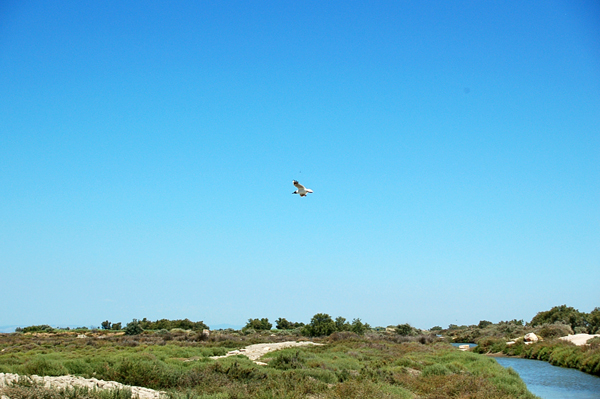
<point>348,366</point>
<point>557,352</point>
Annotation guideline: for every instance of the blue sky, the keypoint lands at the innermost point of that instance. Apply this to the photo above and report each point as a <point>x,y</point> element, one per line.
<point>147,152</point>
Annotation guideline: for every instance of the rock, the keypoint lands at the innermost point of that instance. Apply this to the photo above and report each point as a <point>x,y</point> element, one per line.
<point>530,338</point>
<point>464,347</point>
<point>205,334</point>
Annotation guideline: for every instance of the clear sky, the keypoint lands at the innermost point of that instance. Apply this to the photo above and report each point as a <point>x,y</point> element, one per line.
<point>147,152</point>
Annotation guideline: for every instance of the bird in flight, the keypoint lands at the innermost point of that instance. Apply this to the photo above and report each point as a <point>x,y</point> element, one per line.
<point>302,191</point>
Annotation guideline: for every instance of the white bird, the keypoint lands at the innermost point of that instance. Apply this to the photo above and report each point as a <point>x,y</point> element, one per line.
<point>302,191</point>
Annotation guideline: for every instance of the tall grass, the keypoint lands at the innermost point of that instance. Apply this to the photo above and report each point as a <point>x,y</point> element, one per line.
<point>566,354</point>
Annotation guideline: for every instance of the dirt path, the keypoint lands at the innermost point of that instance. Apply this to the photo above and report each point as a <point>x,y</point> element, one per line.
<point>256,351</point>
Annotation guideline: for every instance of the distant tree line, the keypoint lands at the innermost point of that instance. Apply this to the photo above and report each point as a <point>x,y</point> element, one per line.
<point>138,326</point>
<point>556,319</point>
<point>107,325</point>
<point>322,324</point>
<point>567,316</point>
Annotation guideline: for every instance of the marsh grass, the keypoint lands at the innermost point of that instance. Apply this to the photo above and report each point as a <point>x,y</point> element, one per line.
<point>557,352</point>
<point>348,366</point>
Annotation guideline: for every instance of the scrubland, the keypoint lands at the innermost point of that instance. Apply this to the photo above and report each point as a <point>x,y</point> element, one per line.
<point>373,365</point>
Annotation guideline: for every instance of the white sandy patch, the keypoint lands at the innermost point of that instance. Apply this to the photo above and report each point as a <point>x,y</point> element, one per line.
<point>256,351</point>
<point>579,339</point>
<point>65,381</point>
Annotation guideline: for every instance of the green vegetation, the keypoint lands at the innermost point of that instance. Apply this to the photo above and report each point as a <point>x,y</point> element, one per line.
<point>283,324</point>
<point>406,330</point>
<point>323,325</point>
<point>107,325</point>
<point>133,328</point>
<point>40,328</point>
<point>565,354</point>
<point>557,352</point>
<point>27,390</point>
<point>378,365</point>
<point>578,321</point>
<point>164,324</point>
<point>556,322</point>
<point>357,361</point>
<point>320,325</point>
<point>258,324</point>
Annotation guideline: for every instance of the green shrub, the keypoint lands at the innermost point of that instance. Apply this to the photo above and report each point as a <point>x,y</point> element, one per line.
<point>594,343</point>
<point>258,324</point>
<point>359,327</point>
<point>320,325</point>
<point>41,328</point>
<point>561,314</point>
<point>133,328</point>
<point>484,324</point>
<point>287,361</point>
<point>593,320</point>
<point>435,369</point>
<point>37,391</point>
<point>41,365</point>
<point>406,330</point>
<point>555,330</point>
<point>283,324</point>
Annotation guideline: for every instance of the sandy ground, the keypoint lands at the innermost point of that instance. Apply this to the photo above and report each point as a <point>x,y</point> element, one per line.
<point>72,381</point>
<point>579,339</point>
<point>254,352</point>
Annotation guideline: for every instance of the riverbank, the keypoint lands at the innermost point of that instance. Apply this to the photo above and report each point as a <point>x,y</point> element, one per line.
<point>552,382</point>
<point>570,351</point>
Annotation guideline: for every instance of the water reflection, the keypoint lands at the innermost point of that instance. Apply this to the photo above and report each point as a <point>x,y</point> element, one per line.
<point>551,382</point>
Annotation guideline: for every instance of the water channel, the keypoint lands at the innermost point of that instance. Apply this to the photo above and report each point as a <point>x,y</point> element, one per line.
<point>552,382</point>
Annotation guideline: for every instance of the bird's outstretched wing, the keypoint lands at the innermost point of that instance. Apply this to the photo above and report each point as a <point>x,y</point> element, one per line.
<point>298,185</point>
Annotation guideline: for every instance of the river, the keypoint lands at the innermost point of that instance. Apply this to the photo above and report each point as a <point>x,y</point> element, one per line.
<point>551,382</point>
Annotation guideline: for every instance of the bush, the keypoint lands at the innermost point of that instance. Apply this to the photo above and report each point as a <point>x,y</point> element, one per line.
<point>406,330</point>
<point>43,366</point>
<point>133,328</point>
<point>359,327</point>
<point>258,324</point>
<point>435,369</point>
<point>283,324</point>
<point>184,324</point>
<point>490,345</point>
<point>594,343</point>
<point>287,361</point>
<point>563,314</point>
<point>594,321</point>
<point>41,328</point>
<point>320,325</point>
<point>484,323</point>
<point>554,330</point>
